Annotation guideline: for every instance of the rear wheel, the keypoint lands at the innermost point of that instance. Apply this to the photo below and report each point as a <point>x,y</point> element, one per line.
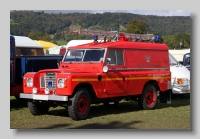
<point>79,105</point>
<point>37,109</point>
<point>148,98</point>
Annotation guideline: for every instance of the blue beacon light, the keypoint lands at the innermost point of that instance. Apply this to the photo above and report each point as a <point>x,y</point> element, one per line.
<point>95,38</point>
<point>157,38</point>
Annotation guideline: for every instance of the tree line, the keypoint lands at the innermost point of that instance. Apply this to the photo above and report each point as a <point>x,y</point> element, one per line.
<point>52,27</point>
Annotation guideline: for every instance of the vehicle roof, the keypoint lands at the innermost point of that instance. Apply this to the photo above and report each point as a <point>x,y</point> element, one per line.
<point>77,42</point>
<point>187,54</point>
<point>26,42</point>
<point>123,44</point>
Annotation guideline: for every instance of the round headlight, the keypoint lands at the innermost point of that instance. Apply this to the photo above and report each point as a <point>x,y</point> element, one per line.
<point>60,80</point>
<point>46,91</point>
<point>29,82</point>
<point>60,83</point>
<point>34,90</point>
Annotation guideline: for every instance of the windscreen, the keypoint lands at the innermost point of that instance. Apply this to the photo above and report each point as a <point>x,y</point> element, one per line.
<point>188,61</point>
<point>84,55</point>
<point>172,60</point>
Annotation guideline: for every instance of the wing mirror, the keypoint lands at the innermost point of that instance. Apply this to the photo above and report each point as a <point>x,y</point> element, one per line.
<point>108,61</point>
<point>105,68</point>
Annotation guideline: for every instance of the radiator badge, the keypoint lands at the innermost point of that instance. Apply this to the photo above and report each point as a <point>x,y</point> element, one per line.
<point>148,58</point>
<point>50,84</point>
<point>50,73</point>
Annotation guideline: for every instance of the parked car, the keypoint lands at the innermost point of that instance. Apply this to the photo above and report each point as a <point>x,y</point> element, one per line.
<point>186,60</point>
<point>180,77</point>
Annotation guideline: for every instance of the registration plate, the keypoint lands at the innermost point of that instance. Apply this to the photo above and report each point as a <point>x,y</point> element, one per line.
<point>40,97</point>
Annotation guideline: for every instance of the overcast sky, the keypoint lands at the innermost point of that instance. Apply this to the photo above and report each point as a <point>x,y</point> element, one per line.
<point>143,12</point>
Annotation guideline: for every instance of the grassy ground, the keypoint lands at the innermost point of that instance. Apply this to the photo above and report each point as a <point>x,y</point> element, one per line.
<point>61,42</point>
<point>125,116</point>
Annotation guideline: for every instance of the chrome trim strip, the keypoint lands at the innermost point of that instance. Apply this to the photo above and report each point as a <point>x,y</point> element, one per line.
<point>138,69</point>
<point>117,69</point>
<point>148,68</point>
<point>43,97</point>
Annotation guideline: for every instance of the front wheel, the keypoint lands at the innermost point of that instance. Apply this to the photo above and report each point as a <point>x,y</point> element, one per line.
<point>79,105</point>
<point>37,109</point>
<point>148,98</point>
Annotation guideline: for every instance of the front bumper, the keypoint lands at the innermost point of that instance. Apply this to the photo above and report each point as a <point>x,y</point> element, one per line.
<point>181,89</point>
<point>43,97</point>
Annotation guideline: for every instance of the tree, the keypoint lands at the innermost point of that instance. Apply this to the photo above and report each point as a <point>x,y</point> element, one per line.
<point>37,35</point>
<point>137,26</point>
<point>184,39</point>
<point>173,41</point>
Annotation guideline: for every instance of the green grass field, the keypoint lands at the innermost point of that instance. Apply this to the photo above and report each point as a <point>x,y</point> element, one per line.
<point>126,115</point>
<point>61,42</point>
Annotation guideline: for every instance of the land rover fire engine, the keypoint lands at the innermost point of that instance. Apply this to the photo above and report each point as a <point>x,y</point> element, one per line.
<point>102,72</point>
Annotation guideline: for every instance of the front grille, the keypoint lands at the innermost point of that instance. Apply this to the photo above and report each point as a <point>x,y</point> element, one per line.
<point>48,81</point>
<point>42,82</point>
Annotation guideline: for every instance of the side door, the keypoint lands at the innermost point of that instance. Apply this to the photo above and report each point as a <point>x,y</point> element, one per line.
<point>115,78</point>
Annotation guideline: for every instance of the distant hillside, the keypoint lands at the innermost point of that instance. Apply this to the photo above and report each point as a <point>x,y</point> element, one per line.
<point>22,22</point>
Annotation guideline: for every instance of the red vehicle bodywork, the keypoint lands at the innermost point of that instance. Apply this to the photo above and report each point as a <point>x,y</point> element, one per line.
<point>142,64</point>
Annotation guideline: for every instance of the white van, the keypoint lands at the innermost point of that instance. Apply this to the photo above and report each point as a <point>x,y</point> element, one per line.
<point>178,54</point>
<point>180,77</point>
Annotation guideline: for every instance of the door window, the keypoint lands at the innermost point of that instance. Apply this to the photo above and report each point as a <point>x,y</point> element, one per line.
<point>116,57</point>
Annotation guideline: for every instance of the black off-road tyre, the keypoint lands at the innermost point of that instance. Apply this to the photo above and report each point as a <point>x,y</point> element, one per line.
<point>79,105</point>
<point>37,109</point>
<point>17,97</point>
<point>148,99</point>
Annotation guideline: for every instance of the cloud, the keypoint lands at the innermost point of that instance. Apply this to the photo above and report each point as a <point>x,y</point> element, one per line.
<point>163,12</point>
<point>142,12</point>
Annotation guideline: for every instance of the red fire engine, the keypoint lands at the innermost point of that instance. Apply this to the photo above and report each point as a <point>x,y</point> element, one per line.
<point>102,72</point>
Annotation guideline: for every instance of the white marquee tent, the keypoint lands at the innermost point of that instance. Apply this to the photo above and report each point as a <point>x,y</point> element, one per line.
<point>178,54</point>
<point>23,41</point>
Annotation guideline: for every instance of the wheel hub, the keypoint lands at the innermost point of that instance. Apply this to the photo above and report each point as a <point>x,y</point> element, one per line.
<point>82,105</point>
<point>150,98</point>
